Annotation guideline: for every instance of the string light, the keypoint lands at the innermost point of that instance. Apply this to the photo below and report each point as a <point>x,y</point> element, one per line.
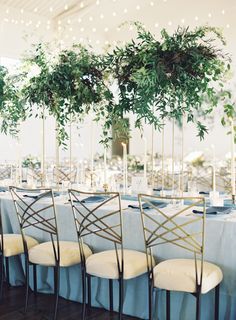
<point>82,29</point>
<point>151,3</point>
<point>114,14</point>
<point>125,10</point>
<point>35,9</point>
<point>138,7</point>
<point>156,25</point>
<point>79,20</point>
<point>209,15</point>
<point>106,29</point>
<point>97,2</point>
<point>101,16</point>
<point>94,29</point>
<point>223,11</point>
<point>81,5</point>
<point>90,18</point>
<point>227,26</point>
<point>21,11</point>
<point>170,23</point>
<point>196,18</point>
<point>182,21</point>
<point>51,9</point>
<point>66,7</point>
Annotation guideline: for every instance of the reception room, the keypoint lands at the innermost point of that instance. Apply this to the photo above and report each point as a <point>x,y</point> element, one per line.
<point>117,162</point>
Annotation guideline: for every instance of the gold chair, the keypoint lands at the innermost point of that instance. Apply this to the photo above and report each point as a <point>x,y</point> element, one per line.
<point>103,219</point>
<point>10,245</point>
<point>34,214</point>
<point>164,226</point>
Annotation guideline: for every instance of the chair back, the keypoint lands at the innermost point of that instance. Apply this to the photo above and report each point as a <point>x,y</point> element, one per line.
<point>61,174</point>
<point>102,219</point>
<point>35,208</point>
<point>169,223</point>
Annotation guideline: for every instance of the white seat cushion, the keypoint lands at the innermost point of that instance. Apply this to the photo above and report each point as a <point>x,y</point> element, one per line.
<point>43,253</point>
<point>179,275</point>
<point>104,264</point>
<point>13,244</point>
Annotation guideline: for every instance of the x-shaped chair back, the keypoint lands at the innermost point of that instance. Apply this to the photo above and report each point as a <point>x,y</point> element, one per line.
<point>102,219</point>
<point>64,174</point>
<point>37,214</point>
<point>5,173</point>
<point>164,226</point>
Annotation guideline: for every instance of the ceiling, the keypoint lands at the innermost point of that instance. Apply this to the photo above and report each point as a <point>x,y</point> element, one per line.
<point>47,8</point>
<point>98,21</point>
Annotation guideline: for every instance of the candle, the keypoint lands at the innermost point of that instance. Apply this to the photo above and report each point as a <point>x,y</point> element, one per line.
<point>213,169</point>
<point>145,158</point>
<point>91,148</point>
<point>105,165</point>
<point>232,159</point>
<point>124,167</point>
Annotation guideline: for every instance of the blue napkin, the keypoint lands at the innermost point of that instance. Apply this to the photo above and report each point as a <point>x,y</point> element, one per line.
<point>214,210</point>
<point>156,203</point>
<point>93,199</point>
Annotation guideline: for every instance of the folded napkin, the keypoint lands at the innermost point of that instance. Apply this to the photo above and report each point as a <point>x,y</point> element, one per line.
<point>36,195</point>
<point>94,199</point>
<point>204,192</point>
<point>144,206</point>
<point>156,203</point>
<point>214,210</point>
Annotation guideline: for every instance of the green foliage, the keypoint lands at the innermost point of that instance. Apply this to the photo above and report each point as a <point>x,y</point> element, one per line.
<point>12,109</point>
<point>69,85</point>
<point>169,78</point>
<point>180,75</point>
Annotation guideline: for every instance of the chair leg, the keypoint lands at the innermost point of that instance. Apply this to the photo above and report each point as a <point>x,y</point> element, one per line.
<point>84,276</point>
<point>167,305</point>
<point>150,298</point>
<point>198,306</point>
<point>89,289</point>
<point>7,271</point>
<point>121,297</point>
<point>217,301</point>
<point>35,278</point>
<point>1,275</point>
<point>26,283</point>
<point>111,294</point>
<point>56,289</point>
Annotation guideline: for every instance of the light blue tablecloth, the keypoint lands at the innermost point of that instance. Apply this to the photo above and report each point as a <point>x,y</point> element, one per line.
<point>220,246</point>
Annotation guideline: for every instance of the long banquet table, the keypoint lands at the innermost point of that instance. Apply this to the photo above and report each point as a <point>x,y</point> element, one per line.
<point>220,244</point>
